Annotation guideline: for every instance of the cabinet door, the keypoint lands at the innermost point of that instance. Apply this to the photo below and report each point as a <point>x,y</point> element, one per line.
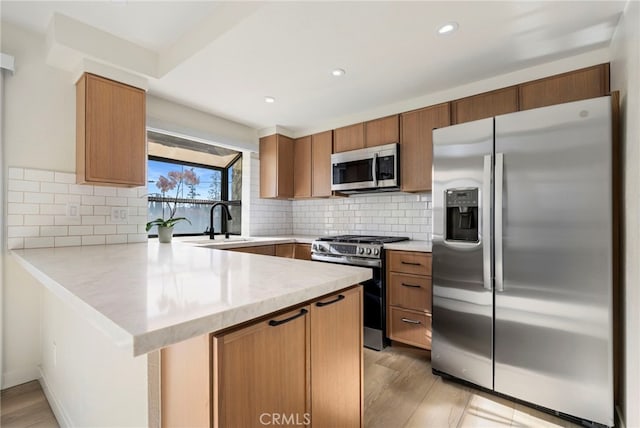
<point>485,105</point>
<point>303,251</point>
<point>110,133</point>
<point>336,360</point>
<point>276,167</point>
<point>261,372</point>
<point>302,166</point>
<point>381,131</point>
<point>186,383</point>
<point>563,88</point>
<point>348,138</point>
<point>416,150</point>
<point>285,250</point>
<point>267,250</point>
<point>322,145</point>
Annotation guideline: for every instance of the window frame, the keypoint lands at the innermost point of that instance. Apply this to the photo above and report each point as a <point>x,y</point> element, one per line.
<point>224,191</point>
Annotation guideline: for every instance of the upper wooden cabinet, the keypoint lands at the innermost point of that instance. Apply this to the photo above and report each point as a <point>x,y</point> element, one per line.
<point>302,166</point>
<point>416,145</point>
<point>485,105</point>
<point>385,130</point>
<point>110,133</point>
<point>276,167</point>
<point>576,85</point>
<point>348,138</point>
<point>312,165</point>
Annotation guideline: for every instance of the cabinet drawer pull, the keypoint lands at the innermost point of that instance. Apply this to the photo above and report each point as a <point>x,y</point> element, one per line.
<point>410,285</point>
<point>410,263</point>
<point>337,299</point>
<point>274,323</point>
<point>407,320</point>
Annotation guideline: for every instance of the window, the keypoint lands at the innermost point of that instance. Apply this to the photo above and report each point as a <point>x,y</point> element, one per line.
<point>220,179</point>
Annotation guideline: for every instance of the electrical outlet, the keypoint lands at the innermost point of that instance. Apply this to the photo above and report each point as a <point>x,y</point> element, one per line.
<point>73,210</point>
<point>119,215</point>
<point>55,355</point>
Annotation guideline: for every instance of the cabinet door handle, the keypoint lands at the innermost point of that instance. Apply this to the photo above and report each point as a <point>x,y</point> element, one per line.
<point>410,285</point>
<point>407,320</point>
<point>274,323</point>
<point>337,299</point>
<point>410,263</point>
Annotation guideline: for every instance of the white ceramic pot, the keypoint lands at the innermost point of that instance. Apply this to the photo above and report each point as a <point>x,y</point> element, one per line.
<point>165,234</point>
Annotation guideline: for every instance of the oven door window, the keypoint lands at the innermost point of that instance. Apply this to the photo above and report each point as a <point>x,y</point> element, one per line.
<point>353,171</point>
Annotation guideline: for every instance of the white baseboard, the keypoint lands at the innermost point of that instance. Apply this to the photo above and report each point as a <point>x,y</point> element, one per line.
<point>18,377</point>
<point>619,420</point>
<point>58,410</point>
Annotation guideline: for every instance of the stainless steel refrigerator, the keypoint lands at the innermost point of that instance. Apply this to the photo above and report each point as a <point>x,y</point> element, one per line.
<point>523,256</point>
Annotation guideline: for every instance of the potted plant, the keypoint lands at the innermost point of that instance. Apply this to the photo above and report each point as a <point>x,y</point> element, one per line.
<point>175,180</point>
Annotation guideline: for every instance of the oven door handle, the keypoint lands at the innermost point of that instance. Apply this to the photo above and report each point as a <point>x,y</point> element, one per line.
<point>346,260</point>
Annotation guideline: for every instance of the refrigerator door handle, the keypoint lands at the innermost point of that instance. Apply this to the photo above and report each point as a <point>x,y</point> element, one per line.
<point>486,223</point>
<point>499,177</point>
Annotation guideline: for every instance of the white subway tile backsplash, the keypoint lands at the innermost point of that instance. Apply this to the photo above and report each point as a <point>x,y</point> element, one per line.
<point>38,175</point>
<point>54,187</point>
<point>37,203</point>
<point>23,186</point>
<point>64,177</point>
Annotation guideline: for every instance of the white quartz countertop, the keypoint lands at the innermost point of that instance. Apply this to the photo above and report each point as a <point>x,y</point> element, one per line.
<point>147,296</point>
<point>421,246</point>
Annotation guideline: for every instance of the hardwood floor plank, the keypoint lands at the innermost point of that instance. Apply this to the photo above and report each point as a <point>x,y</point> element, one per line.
<point>443,406</point>
<point>486,410</point>
<point>25,406</point>
<point>527,417</point>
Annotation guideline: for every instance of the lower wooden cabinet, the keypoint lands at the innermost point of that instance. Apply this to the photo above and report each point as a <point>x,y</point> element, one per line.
<point>302,367</point>
<point>267,250</point>
<point>261,372</point>
<point>409,297</point>
<point>302,251</point>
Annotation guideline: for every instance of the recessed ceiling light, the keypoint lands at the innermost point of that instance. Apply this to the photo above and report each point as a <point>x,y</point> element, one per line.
<point>269,100</point>
<point>338,72</point>
<point>448,28</point>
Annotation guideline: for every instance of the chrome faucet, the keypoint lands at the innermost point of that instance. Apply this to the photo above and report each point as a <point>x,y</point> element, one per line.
<point>226,209</point>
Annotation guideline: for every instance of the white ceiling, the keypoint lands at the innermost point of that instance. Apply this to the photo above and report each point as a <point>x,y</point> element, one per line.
<point>225,57</point>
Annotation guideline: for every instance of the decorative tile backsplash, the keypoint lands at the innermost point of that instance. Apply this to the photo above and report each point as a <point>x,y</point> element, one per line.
<point>268,217</point>
<point>386,214</point>
<point>47,209</point>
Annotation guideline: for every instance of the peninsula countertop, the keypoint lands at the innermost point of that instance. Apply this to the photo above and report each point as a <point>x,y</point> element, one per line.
<point>147,296</point>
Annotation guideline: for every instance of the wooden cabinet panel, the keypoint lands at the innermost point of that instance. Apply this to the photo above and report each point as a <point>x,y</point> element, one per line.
<point>336,360</point>
<point>409,262</point>
<point>267,250</point>
<point>276,167</point>
<point>303,251</point>
<point>416,145</point>
<point>385,130</point>
<point>110,133</point>
<point>285,250</point>
<point>302,166</point>
<point>411,327</point>
<point>485,105</point>
<point>576,85</point>
<point>322,146</point>
<point>263,368</point>
<point>185,383</point>
<point>410,291</point>
<point>348,138</point>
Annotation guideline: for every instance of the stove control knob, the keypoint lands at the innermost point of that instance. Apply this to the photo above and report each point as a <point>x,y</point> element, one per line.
<point>314,247</point>
<point>361,250</point>
<point>368,250</point>
<point>376,252</point>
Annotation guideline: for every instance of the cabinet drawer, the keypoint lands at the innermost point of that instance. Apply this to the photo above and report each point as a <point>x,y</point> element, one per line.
<point>413,328</point>
<point>410,291</point>
<point>410,262</point>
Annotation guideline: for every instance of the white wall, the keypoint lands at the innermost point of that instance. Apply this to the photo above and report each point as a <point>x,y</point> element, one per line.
<point>625,75</point>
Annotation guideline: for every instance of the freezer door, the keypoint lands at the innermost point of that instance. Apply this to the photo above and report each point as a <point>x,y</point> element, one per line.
<point>462,319</point>
<point>553,267</point>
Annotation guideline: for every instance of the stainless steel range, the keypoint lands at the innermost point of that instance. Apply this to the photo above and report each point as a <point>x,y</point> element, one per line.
<point>366,251</point>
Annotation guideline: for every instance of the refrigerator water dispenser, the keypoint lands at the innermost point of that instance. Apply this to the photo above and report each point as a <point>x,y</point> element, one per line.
<point>462,215</point>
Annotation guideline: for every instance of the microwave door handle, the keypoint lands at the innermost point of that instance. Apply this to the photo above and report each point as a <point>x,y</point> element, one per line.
<point>374,170</point>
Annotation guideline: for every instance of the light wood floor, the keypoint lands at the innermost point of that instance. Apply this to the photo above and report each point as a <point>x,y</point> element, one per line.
<point>25,406</point>
<point>401,392</point>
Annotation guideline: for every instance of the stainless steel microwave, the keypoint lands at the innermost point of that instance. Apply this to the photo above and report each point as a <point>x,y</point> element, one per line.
<point>374,169</point>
